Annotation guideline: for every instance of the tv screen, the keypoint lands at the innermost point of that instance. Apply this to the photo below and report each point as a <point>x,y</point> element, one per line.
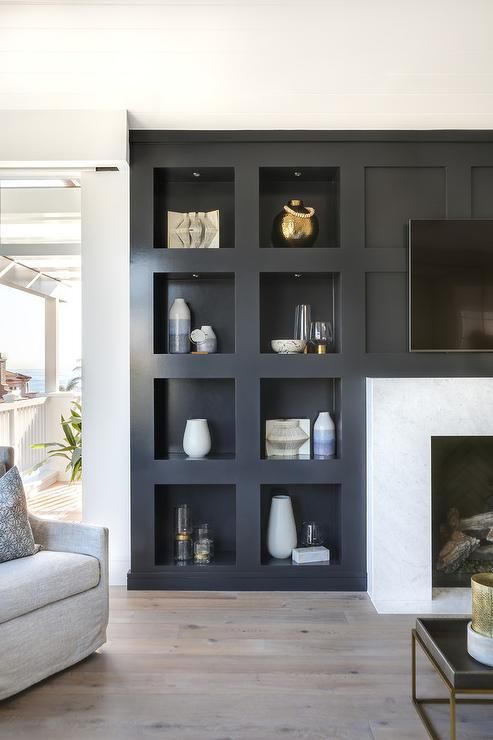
<point>451,285</point>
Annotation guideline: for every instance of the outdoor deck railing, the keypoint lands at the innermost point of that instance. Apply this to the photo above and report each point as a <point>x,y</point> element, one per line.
<point>22,424</point>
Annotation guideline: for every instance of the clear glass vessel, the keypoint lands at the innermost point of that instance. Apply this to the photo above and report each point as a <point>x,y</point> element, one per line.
<point>202,532</point>
<point>311,535</point>
<point>202,551</point>
<point>302,321</point>
<point>183,533</point>
<point>321,335</point>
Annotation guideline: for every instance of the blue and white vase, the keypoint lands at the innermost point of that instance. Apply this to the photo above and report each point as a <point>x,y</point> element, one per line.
<point>179,327</point>
<point>324,436</point>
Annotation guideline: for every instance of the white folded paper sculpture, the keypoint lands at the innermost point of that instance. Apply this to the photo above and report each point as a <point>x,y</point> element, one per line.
<point>194,230</point>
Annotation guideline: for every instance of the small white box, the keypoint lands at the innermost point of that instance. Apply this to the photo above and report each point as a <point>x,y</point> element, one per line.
<point>311,555</point>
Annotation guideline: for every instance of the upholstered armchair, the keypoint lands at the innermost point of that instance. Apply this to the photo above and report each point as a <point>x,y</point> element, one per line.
<point>53,605</point>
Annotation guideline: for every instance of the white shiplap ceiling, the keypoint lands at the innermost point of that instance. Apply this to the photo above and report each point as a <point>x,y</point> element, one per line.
<point>234,64</point>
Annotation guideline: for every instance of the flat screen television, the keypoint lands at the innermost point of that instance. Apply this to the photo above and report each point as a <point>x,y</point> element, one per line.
<point>451,285</point>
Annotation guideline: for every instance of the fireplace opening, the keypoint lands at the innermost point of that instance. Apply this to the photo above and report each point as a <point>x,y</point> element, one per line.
<point>462,508</point>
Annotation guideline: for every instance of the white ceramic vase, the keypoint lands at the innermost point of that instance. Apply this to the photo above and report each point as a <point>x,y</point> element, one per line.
<point>281,531</point>
<point>210,342</point>
<point>197,438</point>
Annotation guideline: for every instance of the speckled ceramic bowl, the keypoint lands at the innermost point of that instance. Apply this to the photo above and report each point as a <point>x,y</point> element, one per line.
<point>288,346</point>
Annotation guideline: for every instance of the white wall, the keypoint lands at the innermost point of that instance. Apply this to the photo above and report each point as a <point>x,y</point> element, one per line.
<point>65,141</point>
<point>84,138</point>
<point>105,353</point>
<point>254,64</point>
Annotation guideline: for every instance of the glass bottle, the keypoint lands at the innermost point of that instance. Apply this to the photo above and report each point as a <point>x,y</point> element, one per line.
<point>202,551</point>
<point>183,533</point>
<point>204,531</point>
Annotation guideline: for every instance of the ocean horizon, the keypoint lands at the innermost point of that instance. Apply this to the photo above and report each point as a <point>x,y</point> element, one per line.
<point>37,382</point>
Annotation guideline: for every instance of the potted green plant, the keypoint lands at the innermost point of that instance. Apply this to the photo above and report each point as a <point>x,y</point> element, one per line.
<point>71,448</point>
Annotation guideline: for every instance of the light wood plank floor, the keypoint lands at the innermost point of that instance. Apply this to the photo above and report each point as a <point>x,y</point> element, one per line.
<point>240,666</point>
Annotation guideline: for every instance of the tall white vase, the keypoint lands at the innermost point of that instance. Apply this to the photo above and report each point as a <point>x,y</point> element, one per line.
<point>281,532</point>
<point>197,438</point>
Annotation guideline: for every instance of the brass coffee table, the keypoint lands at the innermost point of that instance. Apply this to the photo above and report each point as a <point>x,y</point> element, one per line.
<point>444,642</point>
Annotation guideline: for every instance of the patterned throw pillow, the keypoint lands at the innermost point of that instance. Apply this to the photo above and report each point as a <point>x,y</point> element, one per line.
<point>16,536</point>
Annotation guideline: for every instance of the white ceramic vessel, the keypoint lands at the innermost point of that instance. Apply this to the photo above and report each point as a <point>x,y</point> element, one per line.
<point>479,646</point>
<point>197,438</point>
<point>281,530</point>
<point>285,438</point>
<point>288,346</point>
<point>205,339</point>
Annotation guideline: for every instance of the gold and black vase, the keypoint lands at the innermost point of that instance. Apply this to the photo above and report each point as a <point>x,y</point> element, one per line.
<point>295,226</point>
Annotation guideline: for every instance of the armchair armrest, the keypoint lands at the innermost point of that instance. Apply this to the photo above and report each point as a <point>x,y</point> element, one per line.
<point>85,539</point>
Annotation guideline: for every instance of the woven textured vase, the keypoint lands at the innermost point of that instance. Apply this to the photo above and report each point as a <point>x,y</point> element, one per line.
<point>285,438</point>
<point>482,603</point>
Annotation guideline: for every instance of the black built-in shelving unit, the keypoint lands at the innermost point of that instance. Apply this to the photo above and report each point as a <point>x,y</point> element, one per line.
<point>365,187</point>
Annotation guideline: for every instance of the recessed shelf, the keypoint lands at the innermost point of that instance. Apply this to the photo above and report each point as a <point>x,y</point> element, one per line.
<point>179,399</point>
<point>299,398</point>
<point>214,504</point>
<point>281,292</point>
<point>210,297</point>
<point>316,186</point>
<point>320,503</point>
<point>186,189</point>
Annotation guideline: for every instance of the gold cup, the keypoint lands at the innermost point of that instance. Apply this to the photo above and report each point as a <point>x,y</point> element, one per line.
<point>482,603</point>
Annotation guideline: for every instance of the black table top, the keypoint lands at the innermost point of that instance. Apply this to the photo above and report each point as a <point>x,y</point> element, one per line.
<point>446,639</point>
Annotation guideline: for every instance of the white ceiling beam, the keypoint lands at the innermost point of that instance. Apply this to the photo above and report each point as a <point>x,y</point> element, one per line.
<point>6,269</point>
<point>31,282</point>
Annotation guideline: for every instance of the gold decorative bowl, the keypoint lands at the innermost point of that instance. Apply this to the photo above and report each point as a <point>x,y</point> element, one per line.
<point>482,603</point>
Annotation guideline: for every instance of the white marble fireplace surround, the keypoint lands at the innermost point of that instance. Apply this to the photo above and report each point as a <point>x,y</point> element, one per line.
<point>402,416</point>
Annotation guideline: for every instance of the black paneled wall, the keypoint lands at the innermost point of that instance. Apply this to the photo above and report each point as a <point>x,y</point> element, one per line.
<point>365,187</point>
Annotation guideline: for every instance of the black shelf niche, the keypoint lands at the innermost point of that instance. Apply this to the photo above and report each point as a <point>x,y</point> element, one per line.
<point>316,186</point>
<point>281,292</point>
<point>311,502</point>
<point>186,189</point>
<point>300,398</point>
<point>214,504</point>
<point>179,399</point>
<point>210,297</point>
